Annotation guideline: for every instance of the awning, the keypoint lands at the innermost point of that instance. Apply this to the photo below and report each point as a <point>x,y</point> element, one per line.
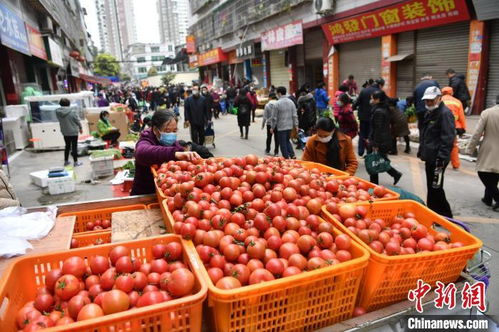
<point>95,79</point>
<point>399,57</point>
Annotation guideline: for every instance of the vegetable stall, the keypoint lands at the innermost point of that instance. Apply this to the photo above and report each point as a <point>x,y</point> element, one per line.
<point>262,244</point>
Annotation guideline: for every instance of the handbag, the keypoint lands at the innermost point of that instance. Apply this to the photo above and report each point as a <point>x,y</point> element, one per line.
<point>376,163</point>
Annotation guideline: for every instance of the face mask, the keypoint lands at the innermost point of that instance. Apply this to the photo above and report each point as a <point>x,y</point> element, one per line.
<point>325,139</point>
<point>431,108</point>
<point>372,102</point>
<point>339,103</point>
<point>195,92</point>
<point>168,139</point>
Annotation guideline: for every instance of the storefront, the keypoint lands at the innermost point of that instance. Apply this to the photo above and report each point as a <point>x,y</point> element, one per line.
<point>210,65</point>
<point>248,64</point>
<point>38,66</point>
<point>361,59</point>
<point>493,73</point>
<point>312,55</point>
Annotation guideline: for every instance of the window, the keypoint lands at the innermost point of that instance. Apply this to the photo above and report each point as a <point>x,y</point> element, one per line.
<point>154,49</point>
<point>141,59</point>
<point>162,68</point>
<point>142,70</point>
<point>170,48</point>
<point>157,58</point>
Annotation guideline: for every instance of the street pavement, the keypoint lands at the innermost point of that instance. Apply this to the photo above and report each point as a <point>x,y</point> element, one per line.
<point>463,188</point>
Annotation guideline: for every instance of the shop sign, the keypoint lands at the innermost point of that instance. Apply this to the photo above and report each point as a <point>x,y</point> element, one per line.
<point>475,56</point>
<point>405,16</point>
<point>190,44</point>
<point>245,51</point>
<point>36,44</point>
<point>12,31</point>
<point>193,60</point>
<point>73,64</point>
<point>232,59</point>
<point>55,52</point>
<point>214,56</point>
<point>283,36</point>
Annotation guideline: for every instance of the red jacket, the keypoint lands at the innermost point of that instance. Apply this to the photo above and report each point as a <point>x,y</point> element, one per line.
<point>253,99</point>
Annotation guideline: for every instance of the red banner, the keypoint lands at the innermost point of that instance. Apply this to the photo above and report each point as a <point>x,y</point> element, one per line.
<point>405,16</point>
<point>214,56</point>
<point>190,42</point>
<point>283,36</point>
<point>36,44</point>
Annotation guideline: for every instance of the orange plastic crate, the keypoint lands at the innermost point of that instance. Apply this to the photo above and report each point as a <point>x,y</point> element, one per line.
<point>304,302</point>
<point>87,239</point>
<point>370,185</point>
<point>336,173</point>
<point>153,206</point>
<point>389,278</point>
<point>82,217</point>
<point>167,217</point>
<point>25,275</point>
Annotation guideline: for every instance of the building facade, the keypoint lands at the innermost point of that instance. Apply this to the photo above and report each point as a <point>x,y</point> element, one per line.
<point>141,57</point>
<point>174,16</point>
<point>297,42</point>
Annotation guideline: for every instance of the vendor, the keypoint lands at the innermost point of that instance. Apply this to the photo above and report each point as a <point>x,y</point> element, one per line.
<point>329,146</point>
<point>157,145</point>
<point>105,130</point>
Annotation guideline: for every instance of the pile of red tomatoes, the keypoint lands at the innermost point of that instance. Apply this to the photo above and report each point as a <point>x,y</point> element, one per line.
<point>104,285</point>
<point>403,235</point>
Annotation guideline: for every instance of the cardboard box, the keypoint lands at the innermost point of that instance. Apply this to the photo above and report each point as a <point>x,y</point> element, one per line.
<point>62,185</point>
<point>117,119</point>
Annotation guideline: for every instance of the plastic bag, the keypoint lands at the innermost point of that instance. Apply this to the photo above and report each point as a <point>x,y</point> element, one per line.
<point>376,163</point>
<point>13,246</point>
<point>28,226</point>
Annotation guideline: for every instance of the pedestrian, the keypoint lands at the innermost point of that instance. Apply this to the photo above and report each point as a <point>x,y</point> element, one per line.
<point>399,126</point>
<point>196,115</point>
<point>244,107</point>
<point>405,106</point>
<point>254,102</point>
<point>343,89</point>
<point>346,119</point>
<point>456,107</point>
<point>380,138</point>
<point>487,163</point>
<point>101,101</point>
<point>215,97</point>
<point>458,84</point>
<point>426,82</point>
<point>231,96</point>
<point>267,115</point>
<point>307,114</point>
<point>321,99</point>
<point>105,130</point>
<point>208,99</point>
<point>351,85</point>
<point>438,132</point>
<point>132,103</point>
<point>70,127</point>
<point>331,147</point>
<point>364,107</point>
<point>284,119</point>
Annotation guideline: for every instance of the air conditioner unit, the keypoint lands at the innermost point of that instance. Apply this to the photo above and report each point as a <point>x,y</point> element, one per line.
<point>46,25</point>
<point>324,7</point>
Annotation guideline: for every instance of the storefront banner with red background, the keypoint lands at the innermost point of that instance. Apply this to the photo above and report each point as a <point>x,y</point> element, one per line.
<point>214,56</point>
<point>36,44</point>
<point>282,36</point>
<point>409,15</point>
<point>190,44</point>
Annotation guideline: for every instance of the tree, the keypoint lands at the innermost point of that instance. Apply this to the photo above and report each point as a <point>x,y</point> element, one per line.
<point>167,78</point>
<point>106,65</point>
<point>152,72</point>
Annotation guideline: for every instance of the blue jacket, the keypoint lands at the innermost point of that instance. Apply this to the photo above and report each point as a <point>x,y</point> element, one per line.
<point>321,98</point>
<point>419,92</point>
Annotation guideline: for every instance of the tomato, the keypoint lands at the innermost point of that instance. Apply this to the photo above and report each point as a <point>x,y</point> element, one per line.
<point>64,321</point>
<point>275,266</point>
<point>44,302</point>
<point>215,274</point>
<point>419,231</point>
<point>358,311</point>
<point>410,243</point>
<point>289,194</point>
<point>291,271</point>
<point>125,283</point>
<point>76,304</point>
<point>89,225</point>
<point>67,286</point>
<point>314,206</point>
<point>260,275</point>
<point>55,316</point>
<point>106,223</point>
<point>94,291</point>
<point>158,250</point>
<point>159,266</point>
<point>274,242</point>
<point>108,278</point>
<point>316,263</point>
<point>254,264</point>
<point>231,252</point>
<point>115,301</point>
<point>75,266</point>
<point>91,280</point>
<point>118,252</point>
<point>150,298</point>
<point>392,248</point>
<point>51,278</point>
<point>442,236</point>
<point>347,211</point>
<point>182,282</point>
<point>287,249</point>
<point>151,288</point>
<point>256,250</point>
<point>228,283</point>
<point>90,311</point>
<point>26,315</point>
<point>39,323</point>
<point>424,244</point>
<point>124,265</point>
<point>440,245</point>
<point>343,242</point>
<point>306,243</point>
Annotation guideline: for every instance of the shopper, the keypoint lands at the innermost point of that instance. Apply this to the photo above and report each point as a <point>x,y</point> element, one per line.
<point>244,107</point>
<point>404,106</point>
<point>156,146</point>
<point>426,82</point>
<point>458,84</point>
<point>284,119</point>
<point>307,114</point>
<point>346,119</point>
<point>343,89</point>
<point>215,97</point>
<point>456,107</point>
<point>436,140</point>
<point>364,107</point>
<point>267,116</point>
<point>321,99</point>
<point>70,127</point>
<point>380,138</point>
<point>105,130</point>
<point>208,100</point>
<point>351,85</point>
<point>254,102</point>
<point>487,163</point>
<point>399,126</point>
<point>102,101</point>
<point>196,115</point>
<point>331,147</point>
<point>231,96</point>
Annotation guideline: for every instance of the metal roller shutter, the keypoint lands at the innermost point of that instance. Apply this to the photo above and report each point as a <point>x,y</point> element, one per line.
<point>257,71</point>
<point>493,76</point>
<point>313,44</point>
<point>441,48</point>
<point>405,68</point>
<point>361,58</point>
<point>279,74</point>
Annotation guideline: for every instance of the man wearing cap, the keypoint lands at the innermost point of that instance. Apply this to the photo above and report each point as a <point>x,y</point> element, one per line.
<point>426,82</point>
<point>436,139</point>
<point>457,110</point>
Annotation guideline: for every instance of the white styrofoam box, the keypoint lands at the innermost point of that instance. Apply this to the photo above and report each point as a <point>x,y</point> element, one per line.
<point>13,111</point>
<point>127,144</point>
<point>40,178</point>
<point>102,166</point>
<point>48,134</point>
<point>61,185</point>
<point>19,128</point>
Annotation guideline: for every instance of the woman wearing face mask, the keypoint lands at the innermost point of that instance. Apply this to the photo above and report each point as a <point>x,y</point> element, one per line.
<point>331,147</point>
<point>157,145</point>
<point>105,130</point>
<point>380,138</point>
<point>346,119</point>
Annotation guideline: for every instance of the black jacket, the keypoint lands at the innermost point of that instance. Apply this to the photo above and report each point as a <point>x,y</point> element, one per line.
<point>196,111</point>
<point>458,84</point>
<point>437,135</point>
<point>307,115</point>
<point>380,136</point>
<point>363,103</point>
<point>244,107</point>
<point>419,92</point>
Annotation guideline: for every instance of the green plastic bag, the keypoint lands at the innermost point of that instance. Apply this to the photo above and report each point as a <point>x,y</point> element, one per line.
<point>376,163</point>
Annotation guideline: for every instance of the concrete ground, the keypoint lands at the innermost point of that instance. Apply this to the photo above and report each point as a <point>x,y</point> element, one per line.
<point>463,188</point>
